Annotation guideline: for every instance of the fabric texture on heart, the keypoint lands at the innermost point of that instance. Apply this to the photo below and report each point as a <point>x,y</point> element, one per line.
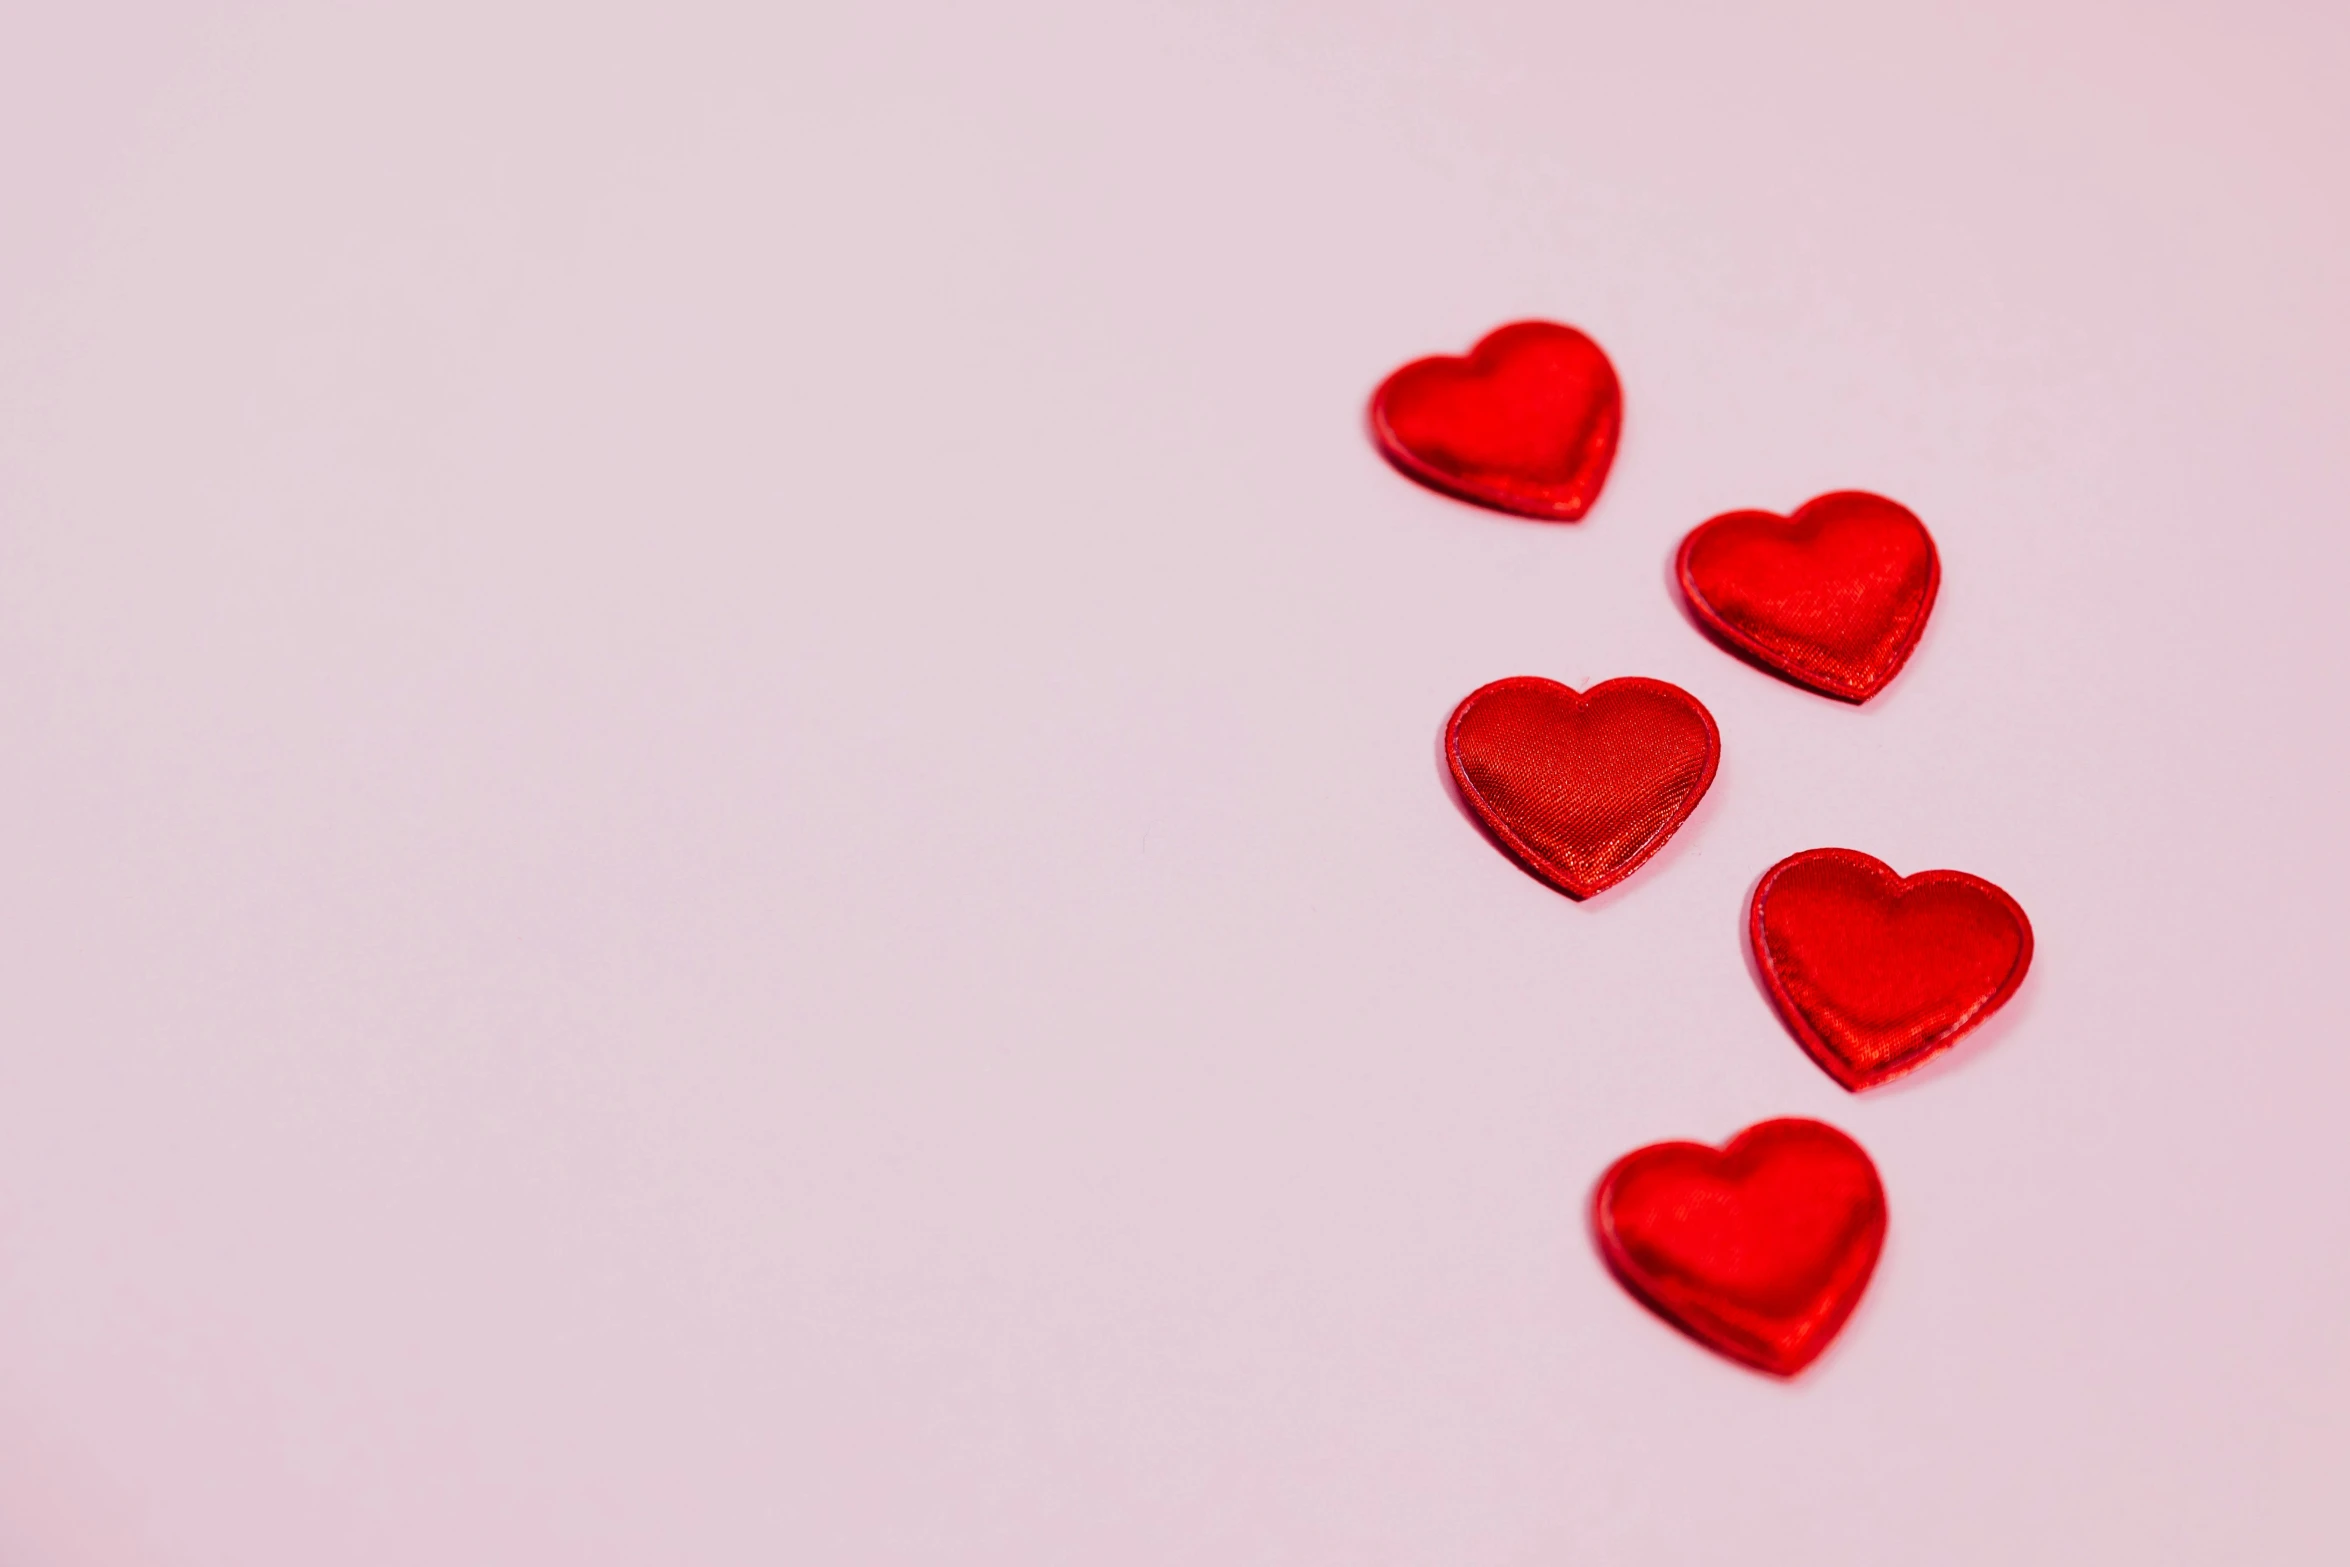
<point>1759,1250</point>
<point>1834,597</point>
<point>1876,973</point>
<point>1525,423</point>
<point>1581,789</point>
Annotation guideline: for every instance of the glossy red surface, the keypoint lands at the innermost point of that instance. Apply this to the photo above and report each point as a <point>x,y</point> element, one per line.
<point>1526,422</point>
<point>1581,788</point>
<point>1759,1250</point>
<point>1834,597</point>
<point>1876,973</point>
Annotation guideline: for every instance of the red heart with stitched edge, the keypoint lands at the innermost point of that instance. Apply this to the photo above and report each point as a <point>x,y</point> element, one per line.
<point>1759,1250</point>
<point>1580,789</point>
<point>1875,972</point>
<point>1833,598</point>
<point>1525,423</point>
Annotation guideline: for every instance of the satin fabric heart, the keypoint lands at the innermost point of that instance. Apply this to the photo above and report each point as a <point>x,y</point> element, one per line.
<point>1759,1250</point>
<point>1525,423</point>
<point>1834,597</point>
<point>1580,789</point>
<point>1876,973</point>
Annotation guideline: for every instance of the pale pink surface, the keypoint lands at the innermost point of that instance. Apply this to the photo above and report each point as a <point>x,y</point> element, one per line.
<point>721,822</point>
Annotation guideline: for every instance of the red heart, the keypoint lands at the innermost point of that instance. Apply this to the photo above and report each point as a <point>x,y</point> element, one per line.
<point>1833,598</point>
<point>1581,789</point>
<point>1759,1250</point>
<point>1874,972</point>
<point>1526,423</point>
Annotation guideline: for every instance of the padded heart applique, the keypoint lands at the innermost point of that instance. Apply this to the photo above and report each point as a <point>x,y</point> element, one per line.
<point>1876,973</point>
<point>1525,423</point>
<point>1833,597</point>
<point>1580,789</point>
<point>1759,1250</point>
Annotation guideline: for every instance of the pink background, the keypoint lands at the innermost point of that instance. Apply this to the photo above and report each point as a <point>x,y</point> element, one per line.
<point>719,803</point>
